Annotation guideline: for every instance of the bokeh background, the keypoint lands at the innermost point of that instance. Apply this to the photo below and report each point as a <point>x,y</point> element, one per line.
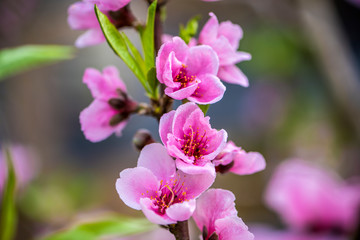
<point>303,101</point>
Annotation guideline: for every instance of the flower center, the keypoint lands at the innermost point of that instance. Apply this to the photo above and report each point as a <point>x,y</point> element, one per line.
<point>195,144</point>
<point>168,194</point>
<point>183,78</point>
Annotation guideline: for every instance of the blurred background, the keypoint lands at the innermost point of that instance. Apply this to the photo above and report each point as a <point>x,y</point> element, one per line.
<point>303,101</point>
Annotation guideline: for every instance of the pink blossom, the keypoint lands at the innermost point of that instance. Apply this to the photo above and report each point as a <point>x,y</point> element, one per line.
<point>188,137</point>
<point>224,39</point>
<point>111,108</point>
<point>308,197</point>
<point>189,72</point>
<point>110,5</point>
<point>236,160</point>
<point>81,16</point>
<point>266,233</point>
<point>216,214</point>
<point>24,163</point>
<point>164,194</point>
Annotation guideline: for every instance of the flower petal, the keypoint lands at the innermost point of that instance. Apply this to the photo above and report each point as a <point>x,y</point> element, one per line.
<point>81,16</point>
<point>156,158</point>
<point>248,163</point>
<point>210,30</point>
<point>182,93</point>
<point>147,208</point>
<point>232,32</point>
<point>212,205</point>
<point>232,74</point>
<point>165,126</point>
<point>195,184</point>
<point>90,38</point>
<point>181,114</point>
<point>202,60</point>
<point>95,120</point>
<point>210,90</point>
<point>181,211</point>
<point>191,168</point>
<point>232,228</point>
<point>109,5</point>
<point>134,184</point>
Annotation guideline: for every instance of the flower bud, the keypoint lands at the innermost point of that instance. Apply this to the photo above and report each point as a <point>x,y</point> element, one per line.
<point>142,138</point>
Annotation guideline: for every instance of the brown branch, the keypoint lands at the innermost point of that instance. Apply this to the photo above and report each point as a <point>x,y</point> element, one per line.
<point>180,230</point>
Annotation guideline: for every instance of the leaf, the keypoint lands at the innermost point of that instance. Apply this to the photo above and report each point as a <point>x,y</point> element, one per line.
<point>188,32</point>
<point>8,217</point>
<point>147,37</point>
<point>152,80</point>
<point>135,52</point>
<point>109,226</point>
<point>204,108</point>
<point>23,58</point>
<point>118,44</point>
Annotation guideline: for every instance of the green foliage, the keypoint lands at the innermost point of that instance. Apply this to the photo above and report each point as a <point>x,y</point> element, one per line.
<point>110,226</point>
<point>19,59</point>
<point>204,108</point>
<point>119,45</point>
<point>147,40</point>
<point>123,47</point>
<point>8,217</point>
<point>189,31</point>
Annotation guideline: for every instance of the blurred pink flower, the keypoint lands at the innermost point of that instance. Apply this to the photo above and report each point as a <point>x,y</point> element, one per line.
<point>81,16</point>
<point>188,137</point>
<point>224,38</point>
<point>111,108</point>
<point>266,233</point>
<point>236,160</point>
<point>110,5</point>
<point>309,198</point>
<point>24,162</point>
<point>164,194</point>
<point>216,214</point>
<point>189,72</point>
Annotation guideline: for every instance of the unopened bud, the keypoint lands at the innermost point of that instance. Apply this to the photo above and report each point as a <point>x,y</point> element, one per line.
<point>142,138</point>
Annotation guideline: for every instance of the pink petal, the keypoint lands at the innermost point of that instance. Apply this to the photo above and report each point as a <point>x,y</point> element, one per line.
<point>218,142</point>
<point>248,163</point>
<point>232,32</point>
<point>178,46</point>
<point>195,184</point>
<point>156,158</point>
<point>181,93</point>
<point>181,114</point>
<point>172,65</point>
<point>95,120</point>
<point>109,5</point>
<point>135,184</point>
<point>232,74</point>
<point>190,168</point>
<point>181,211</point>
<point>210,30</point>
<point>147,208</point>
<point>212,205</point>
<point>210,90</point>
<point>90,38</point>
<point>165,125</point>
<point>202,60</point>
<point>112,76</point>
<point>81,16</point>
<point>232,228</point>
<point>103,86</point>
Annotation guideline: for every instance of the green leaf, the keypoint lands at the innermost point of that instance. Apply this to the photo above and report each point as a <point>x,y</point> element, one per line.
<point>110,226</point>
<point>152,80</point>
<point>204,108</point>
<point>188,32</point>
<point>135,52</point>
<point>23,58</point>
<point>118,44</point>
<point>147,37</point>
<point>8,217</point>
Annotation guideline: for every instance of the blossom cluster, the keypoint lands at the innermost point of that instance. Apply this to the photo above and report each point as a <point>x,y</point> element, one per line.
<point>171,180</point>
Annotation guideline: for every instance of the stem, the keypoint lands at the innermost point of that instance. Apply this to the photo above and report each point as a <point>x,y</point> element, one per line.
<point>180,230</point>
